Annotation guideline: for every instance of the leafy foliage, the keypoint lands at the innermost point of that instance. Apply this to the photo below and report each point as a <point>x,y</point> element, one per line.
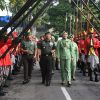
<point>2,4</point>
<point>58,15</point>
<point>15,5</point>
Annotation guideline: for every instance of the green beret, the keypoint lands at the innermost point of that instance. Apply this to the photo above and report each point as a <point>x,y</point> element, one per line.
<point>27,33</point>
<point>47,33</point>
<point>71,36</point>
<point>56,37</point>
<point>63,33</point>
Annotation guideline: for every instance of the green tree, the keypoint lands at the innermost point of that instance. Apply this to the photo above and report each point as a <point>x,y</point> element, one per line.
<point>15,5</point>
<point>2,4</point>
<point>58,14</point>
<point>95,12</point>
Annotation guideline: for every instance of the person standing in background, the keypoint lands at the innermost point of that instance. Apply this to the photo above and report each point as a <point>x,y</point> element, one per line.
<point>75,57</point>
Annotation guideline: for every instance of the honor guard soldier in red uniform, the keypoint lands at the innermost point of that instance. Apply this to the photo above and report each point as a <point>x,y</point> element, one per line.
<point>5,62</point>
<point>93,55</point>
<point>82,52</point>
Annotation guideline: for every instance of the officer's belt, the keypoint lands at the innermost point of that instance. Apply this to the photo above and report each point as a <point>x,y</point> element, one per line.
<point>46,55</point>
<point>27,54</point>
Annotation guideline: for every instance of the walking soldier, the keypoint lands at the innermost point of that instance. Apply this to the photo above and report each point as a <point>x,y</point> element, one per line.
<point>46,47</point>
<point>28,48</point>
<point>93,45</point>
<point>82,53</point>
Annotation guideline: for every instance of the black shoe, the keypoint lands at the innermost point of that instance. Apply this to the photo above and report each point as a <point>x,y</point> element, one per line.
<point>29,77</point>
<point>69,84</point>
<point>6,85</point>
<point>5,76</point>
<point>43,82</point>
<point>2,93</point>
<point>62,83</point>
<point>91,79</point>
<point>74,79</point>
<point>14,73</point>
<point>48,84</point>
<point>25,81</point>
<point>10,78</point>
<point>52,73</point>
<point>96,80</point>
<point>84,74</point>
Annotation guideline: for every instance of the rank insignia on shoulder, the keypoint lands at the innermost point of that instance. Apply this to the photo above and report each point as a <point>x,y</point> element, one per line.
<point>51,44</point>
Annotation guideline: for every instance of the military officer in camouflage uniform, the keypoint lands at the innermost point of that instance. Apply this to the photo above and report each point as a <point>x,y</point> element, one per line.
<point>28,48</point>
<point>47,48</point>
<point>64,55</point>
<point>75,56</point>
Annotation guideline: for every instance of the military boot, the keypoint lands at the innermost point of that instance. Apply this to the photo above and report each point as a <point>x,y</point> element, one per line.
<point>2,93</point>
<point>96,78</point>
<point>96,74</point>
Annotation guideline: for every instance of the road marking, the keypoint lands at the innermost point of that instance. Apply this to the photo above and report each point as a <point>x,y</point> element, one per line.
<point>67,96</point>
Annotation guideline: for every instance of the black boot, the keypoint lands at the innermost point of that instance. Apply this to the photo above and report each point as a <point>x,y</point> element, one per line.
<point>96,78</point>
<point>25,81</point>
<point>14,72</point>
<point>90,74</point>
<point>43,81</point>
<point>48,83</point>
<point>88,67</point>
<point>69,84</point>
<point>96,74</point>
<point>10,77</point>
<point>2,93</point>
<point>6,84</point>
<point>91,79</point>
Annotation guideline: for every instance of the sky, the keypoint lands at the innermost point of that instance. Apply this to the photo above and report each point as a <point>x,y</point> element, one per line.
<point>4,12</point>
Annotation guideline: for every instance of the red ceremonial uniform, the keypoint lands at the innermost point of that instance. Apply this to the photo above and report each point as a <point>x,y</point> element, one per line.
<point>6,61</point>
<point>96,44</point>
<point>82,46</point>
<point>1,45</point>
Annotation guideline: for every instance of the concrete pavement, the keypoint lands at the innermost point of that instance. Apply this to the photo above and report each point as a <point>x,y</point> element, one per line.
<point>81,89</point>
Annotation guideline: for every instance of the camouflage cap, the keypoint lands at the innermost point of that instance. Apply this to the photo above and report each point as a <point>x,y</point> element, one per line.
<point>63,33</point>
<point>47,33</point>
<point>71,36</point>
<point>27,33</point>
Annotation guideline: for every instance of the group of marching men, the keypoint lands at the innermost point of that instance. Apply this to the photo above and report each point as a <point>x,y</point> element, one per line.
<point>89,49</point>
<point>69,52</point>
